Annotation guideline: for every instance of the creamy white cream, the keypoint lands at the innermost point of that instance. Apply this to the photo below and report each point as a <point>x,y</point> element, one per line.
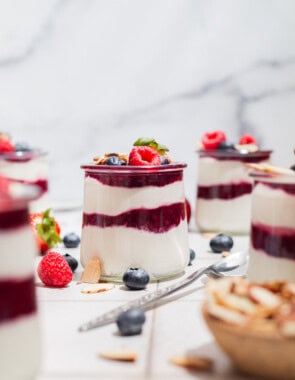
<point>263,268</point>
<point>119,248</point>
<point>111,200</point>
<point>20,349</point>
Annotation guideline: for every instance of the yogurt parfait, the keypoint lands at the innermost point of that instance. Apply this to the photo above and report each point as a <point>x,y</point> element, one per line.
<point>272,238</point>
<point>19,161</point>
<point>134,212</point>
<point>19,327</point>
<point>224,187</point>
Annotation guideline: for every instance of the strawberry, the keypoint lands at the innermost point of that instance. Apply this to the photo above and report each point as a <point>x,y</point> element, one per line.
<point>46,230</point>
<point>247,139</point>
<point>5,144</point>
<point>54,270</point>
<point>211,140</point>
<point>144,155</point>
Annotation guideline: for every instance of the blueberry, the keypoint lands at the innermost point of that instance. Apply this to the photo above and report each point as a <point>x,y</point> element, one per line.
<point>115,161</point>
<point>130,322</point>
<point>164,160</point>
<point>192,256</point>
<point>73,263</point>
<point>221,242</point>
<point>136,278</point>
<point>71,240</point>
<point>225,145</point>
<point>22,147</point>
<point>292,167</point>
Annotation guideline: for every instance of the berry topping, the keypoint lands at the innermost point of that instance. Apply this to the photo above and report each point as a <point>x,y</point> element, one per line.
<point>292,167</point>
<point>130,322</point>
<point>164,160</point>
<point>73,263</point>
<point>54,270</point>
<point>46,230</point>
<point>71,240</point>
<point>221,243</point>
<point>114,160</point>
<point>152,143</point>
<point>144,155</point>
<point>224,145</point>
<point>192,256</point>
<point>211,140</point>
<point>247,139</point>
<point>5,144</point>
<point>136,278</point>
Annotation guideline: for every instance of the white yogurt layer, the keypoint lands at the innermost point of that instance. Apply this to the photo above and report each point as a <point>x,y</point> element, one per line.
<point>32,170</point>
<point>216,172</point>
<point>111,200</point>
<point>224,215</point>
<point>263,268</point>
<point>20,349</point>
<point>273,207</point>
<point>18,251</point>
<point>120,248</point>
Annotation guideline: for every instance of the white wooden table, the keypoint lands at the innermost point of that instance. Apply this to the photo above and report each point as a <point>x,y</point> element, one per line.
<point>175,327</point>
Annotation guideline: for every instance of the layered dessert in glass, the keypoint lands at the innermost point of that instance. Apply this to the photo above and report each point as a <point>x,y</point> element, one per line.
<point>19,327</point>
<point>224,187</point>
<point>134,214</point>
<point>27,165</point>
<point>272,238</point>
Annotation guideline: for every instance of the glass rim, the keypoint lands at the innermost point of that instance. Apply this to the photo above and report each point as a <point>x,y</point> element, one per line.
<point>23,155</point>
<point>284,177</point>
<point>133,169</point>
<point>233,153</point>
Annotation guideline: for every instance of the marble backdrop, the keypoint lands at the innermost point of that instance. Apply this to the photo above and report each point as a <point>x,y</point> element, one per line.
<point>83,77</point>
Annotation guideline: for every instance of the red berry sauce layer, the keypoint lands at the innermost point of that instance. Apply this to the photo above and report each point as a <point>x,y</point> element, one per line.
<point>274,241</point>
<point>13,218</point>
<point>158,220</point>
<point>135,176</point>
<point>17,298</point>
<point>228,191</point>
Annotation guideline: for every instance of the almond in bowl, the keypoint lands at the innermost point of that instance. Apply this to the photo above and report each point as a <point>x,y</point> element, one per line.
<point>254,325</point>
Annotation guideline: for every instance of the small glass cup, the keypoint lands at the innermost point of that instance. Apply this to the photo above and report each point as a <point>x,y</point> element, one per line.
<point>28,167</point>
<point>272,238</point>
<point>224,190</point>
<point>19,327</point>
<point>135,216</point>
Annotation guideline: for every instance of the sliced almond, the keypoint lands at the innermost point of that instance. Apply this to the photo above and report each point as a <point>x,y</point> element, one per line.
<point>225,314</point>
<point>238,303</point>
<point>92,271</point>
<point>97,288</point>
<point>120,355</point>
<point>195,362</point>
<point>271,169</point>
<point>224,253</point>
<point>264,297</point>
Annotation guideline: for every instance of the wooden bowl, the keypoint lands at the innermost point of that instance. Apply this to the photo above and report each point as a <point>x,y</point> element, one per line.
<point>260,353</point>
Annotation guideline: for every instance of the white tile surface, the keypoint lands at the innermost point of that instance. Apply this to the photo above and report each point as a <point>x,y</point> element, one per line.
<point>174,327</point>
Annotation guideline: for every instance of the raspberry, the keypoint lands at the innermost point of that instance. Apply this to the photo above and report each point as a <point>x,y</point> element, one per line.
<point>5,145</point>
<point>247,139</point>
<point>144,155</point>
<point>54,270</point>
<point>211,140</point>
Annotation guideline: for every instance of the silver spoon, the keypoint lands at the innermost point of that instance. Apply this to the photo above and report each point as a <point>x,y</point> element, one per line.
<point>227,264</point>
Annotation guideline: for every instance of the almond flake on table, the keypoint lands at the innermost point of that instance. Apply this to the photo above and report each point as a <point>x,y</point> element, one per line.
<point>120,355</point>
<point>199,363</point>
<point>97,288</point>
<point>92,271</point>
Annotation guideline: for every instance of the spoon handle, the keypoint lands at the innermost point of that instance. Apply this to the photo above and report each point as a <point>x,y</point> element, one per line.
<point>144,301</point>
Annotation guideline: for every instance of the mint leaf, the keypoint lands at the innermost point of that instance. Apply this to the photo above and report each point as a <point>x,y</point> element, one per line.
<point>147,141</point>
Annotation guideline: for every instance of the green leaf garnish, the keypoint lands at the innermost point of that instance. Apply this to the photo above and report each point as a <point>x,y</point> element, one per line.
<point>46,230</point>
<point>147,141</point>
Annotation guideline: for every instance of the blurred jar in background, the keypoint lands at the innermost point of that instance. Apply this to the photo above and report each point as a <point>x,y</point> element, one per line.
<point>19,328</point>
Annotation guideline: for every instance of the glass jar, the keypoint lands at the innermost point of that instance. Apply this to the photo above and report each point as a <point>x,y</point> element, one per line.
<point>135,216</point>
<point>30,168</point>
<point>19,327</point>
<point>224,190</point>
<point>272,238</point>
